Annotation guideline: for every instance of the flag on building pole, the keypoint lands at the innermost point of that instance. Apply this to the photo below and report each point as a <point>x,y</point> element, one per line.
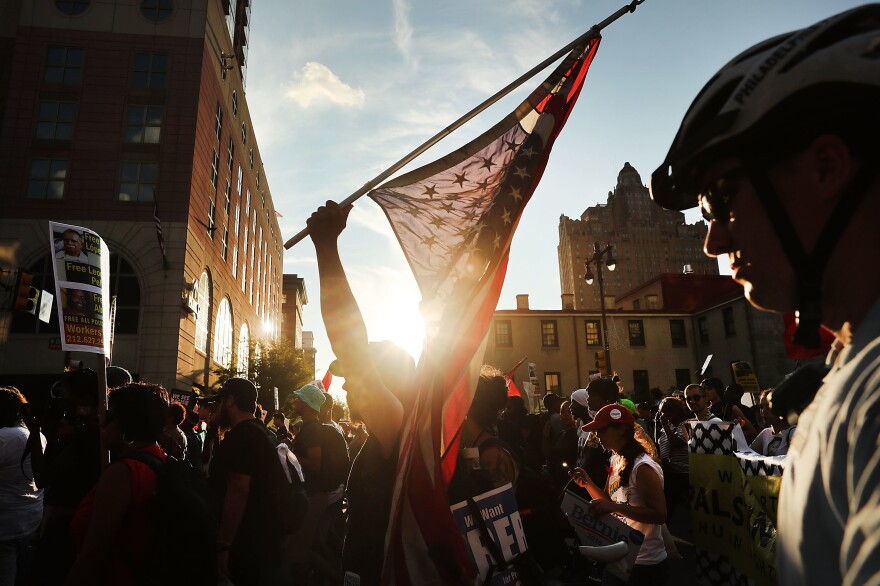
<point>455,219</point>
<point>159,236</point>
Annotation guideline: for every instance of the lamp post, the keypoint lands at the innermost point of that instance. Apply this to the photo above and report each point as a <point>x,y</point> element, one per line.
<point>599,254</point>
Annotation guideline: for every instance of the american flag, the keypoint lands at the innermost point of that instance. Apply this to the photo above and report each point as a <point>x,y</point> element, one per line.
<point>455,219</point>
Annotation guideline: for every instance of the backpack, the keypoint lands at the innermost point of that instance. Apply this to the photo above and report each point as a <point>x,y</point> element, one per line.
<point>183,550</point>
<point>335,462</point>
<point>293,502</point>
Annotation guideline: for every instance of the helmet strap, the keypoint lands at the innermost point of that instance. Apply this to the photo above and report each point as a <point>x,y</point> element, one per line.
<point>809,268</point>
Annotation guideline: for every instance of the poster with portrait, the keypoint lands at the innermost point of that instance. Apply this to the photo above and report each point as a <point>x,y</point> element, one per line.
<point>82,270</point>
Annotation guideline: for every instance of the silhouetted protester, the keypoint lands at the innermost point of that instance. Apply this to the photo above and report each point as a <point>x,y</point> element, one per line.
<point>775,439</point>
<point>378,383</point>
<point>282,433</point>
<point>780,151</point>
<point>194,442</point>
<point>672,444</point>
<point>722,408</point>
<point>21,502</point>
<point>173,439</point>
<point>244,477</point>
<point>68,470</point>
<point>114,526</point>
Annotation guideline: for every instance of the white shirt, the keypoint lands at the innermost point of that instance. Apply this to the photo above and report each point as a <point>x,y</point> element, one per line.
<point>764,444</point>
<point>21,502</point>
<point>652,551</point>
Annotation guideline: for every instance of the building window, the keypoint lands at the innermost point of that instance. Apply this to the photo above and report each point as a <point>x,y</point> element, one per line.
<point>729,324</point>
<point>640,383</point>
<point>237,218</point>
<point>149,71</point>
<point>682,378</point>
<point>230,153</point>
<point>212,213</point>
<point>55,120</point>
<point>244,271</point>
<point>223,335</point>
<point>47,178</point>
<point>228,198</point>
<point>551,382</point>
<point>202,296</point>
<point>224,243</point>
<point>703,328</point>
<point>548,333</point>
<point>63,65</point>
<point>234,103</point>
<point>636,332</point>
<point>137,181</point>
<point>593,332</point>
<point>247,202</point>
<point>215,168</point>
<point>243,351</point>
<point>218,122</point>
<point>157,10</point>
<point>503,333</point>
<point>637,304</point>
<point>72,7</point>
<point>251,158</point>
<point>234,262</point>
<point>243,133</point>
<point>676,330</point>
<point>143,124</point>
<point>257,179</point>
<point>240,176</point>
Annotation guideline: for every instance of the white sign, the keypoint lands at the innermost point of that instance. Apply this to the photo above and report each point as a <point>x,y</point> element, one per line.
<point>46,306</point>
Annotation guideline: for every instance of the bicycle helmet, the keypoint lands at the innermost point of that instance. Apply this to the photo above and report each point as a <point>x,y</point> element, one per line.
<point>768,102</point>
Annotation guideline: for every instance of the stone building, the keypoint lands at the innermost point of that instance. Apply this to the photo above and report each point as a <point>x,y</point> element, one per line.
<point>647,240</point>
<point>115,112</point>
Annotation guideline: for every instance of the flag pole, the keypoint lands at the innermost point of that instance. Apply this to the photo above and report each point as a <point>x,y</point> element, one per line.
<point>374,183</point>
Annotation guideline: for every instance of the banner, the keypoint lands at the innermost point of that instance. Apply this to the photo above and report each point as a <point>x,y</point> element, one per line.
<point>499,512</point>
<point>82,272</point>
<point>733,500</point>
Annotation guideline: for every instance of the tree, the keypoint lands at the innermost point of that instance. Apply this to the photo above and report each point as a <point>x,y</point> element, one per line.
<point>276,364</point>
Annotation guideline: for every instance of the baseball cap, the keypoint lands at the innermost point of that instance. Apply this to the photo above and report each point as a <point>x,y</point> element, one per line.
<point>311,396</point>
<point>243,390</point>
<point>629,405</point>
<point>614,413</point>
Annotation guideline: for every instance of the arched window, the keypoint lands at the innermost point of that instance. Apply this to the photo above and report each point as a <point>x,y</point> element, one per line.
<point>202,295</point>
<point>123,285</point>
<point>243,351</point>
<point>223,335</point>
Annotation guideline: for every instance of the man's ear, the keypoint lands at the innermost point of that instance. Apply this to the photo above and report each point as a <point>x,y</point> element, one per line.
<point>833,165</point>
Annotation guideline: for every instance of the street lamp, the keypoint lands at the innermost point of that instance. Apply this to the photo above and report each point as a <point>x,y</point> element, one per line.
<point>596,260</point>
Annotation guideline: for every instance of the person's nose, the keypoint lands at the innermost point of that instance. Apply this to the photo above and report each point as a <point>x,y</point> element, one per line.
<point>718,240</point>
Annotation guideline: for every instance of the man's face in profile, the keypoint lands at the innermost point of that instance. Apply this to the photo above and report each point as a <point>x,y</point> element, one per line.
<point>72,243</point>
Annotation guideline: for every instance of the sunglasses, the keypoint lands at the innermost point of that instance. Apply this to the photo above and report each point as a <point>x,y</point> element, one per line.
<point>694,398</point>
<point>715,198</point>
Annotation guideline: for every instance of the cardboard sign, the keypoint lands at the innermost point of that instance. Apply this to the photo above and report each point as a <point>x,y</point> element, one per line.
<point>499,512</point>
<point>603,530</point>
<point>82,271</point>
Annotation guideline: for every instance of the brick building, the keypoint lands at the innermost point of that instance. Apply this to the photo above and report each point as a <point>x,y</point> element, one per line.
<point>112,111</point>
<point>647,240</point>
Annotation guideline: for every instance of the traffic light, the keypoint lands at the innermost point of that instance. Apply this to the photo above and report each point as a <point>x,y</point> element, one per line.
<point>26,297</point>
<point>600,362</point>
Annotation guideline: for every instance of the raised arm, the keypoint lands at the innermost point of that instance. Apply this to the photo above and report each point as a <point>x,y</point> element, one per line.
<point>379,408</point>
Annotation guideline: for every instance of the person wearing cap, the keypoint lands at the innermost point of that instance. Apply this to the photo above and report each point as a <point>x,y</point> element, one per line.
<point>780,152</point>
<point>243,477</point>
<point>633,491</point>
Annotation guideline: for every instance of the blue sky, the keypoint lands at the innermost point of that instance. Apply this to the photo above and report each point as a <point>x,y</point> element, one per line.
<point>339,90</point>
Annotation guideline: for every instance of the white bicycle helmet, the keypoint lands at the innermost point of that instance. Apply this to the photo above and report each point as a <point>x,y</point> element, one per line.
<point>831,66</point>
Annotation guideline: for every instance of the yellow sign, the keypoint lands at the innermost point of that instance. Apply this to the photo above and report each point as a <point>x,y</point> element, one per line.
<point>745,377</point>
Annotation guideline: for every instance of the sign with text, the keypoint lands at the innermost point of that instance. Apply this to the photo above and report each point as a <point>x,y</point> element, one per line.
<point>602,530</point>
<point>498,511</point>
<point>82,270</point>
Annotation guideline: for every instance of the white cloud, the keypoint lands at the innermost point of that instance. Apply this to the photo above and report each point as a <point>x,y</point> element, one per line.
<point>403,31</point>
<point>316,85</point>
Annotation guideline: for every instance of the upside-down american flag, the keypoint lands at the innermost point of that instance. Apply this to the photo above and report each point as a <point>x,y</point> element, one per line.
<point>455,219</point>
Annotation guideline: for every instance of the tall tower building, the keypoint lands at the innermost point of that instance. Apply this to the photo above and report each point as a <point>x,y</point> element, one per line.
<point>118,115</point>
<point>647,241</point>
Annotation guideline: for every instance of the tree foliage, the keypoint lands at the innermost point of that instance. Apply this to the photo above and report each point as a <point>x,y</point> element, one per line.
<point>276,364</point>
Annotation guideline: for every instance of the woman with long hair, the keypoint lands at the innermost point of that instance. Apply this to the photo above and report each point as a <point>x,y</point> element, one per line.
<point>114,526</point>
<point>633,491</point>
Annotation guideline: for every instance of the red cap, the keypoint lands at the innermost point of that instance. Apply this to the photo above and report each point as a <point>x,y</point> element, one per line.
<point>608,414</point>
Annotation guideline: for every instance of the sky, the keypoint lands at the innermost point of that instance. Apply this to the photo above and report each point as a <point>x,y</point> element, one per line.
<point>339,90</point>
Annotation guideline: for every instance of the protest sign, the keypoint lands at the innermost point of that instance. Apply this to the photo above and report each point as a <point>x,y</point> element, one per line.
<point>602,530</point>
<point>500,516</point>
<point>82,271</point>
